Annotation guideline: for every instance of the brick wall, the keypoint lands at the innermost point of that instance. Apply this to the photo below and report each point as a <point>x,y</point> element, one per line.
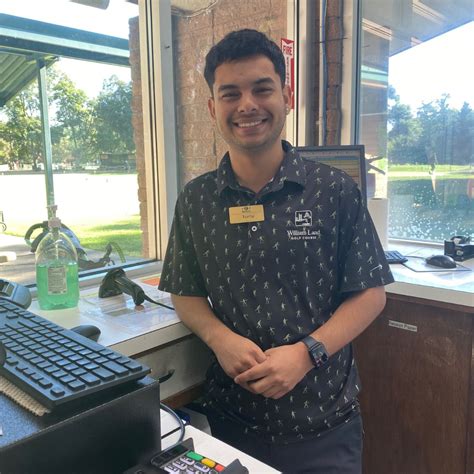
<point>334,35</point>
<point>199,145</point>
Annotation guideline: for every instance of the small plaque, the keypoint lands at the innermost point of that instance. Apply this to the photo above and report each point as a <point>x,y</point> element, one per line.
<point>241,214</point>
<point>400,325</point>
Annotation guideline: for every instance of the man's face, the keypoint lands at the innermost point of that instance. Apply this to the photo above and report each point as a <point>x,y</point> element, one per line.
<point>249,104</point>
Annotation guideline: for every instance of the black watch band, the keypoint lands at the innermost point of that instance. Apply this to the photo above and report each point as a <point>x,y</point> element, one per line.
<point>316,350</point>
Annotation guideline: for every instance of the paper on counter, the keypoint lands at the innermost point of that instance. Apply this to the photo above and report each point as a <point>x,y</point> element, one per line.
<point>121,311</point>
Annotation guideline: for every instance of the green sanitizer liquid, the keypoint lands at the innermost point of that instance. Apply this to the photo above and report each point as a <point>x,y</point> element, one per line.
<point>58,285</point>
<point>56,269</point>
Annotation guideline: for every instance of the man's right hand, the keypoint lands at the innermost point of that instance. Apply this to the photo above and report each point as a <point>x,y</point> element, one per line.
<point>236,354</point>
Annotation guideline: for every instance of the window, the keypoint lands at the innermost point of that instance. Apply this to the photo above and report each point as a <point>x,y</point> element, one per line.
<point>416,114</point>
<point>76,69</point>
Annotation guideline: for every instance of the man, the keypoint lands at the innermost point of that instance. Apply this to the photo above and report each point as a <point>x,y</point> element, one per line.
<point>274,263</point>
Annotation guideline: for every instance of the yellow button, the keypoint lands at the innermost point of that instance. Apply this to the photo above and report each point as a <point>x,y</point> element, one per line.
<point>208,462</point>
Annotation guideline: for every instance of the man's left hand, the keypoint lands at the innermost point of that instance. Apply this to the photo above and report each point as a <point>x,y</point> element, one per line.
<point>284,368</point>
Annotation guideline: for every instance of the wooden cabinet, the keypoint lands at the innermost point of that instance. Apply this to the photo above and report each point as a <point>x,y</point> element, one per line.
<point>416,364</point>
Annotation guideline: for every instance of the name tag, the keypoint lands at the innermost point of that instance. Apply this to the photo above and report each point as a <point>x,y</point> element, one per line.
<point>238,215</point>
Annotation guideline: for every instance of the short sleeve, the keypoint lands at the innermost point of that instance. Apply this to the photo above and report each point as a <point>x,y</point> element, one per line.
<point>181,274</point>
<point>361,257</point>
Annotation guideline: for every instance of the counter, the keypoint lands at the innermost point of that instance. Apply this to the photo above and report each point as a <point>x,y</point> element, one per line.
<point>157,337</point>
<point>456,287</point>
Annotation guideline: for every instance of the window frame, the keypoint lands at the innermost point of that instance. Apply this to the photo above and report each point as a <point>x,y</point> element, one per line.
<point>160,174</point>
<point>159,121</point>
<point>351,92</point>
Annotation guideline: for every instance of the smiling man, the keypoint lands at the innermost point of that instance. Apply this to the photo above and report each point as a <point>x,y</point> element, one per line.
<point>249,106</point>
<point>273,261</point>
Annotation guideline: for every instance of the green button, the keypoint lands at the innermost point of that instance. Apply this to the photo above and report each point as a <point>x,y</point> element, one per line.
<point>193,455</point>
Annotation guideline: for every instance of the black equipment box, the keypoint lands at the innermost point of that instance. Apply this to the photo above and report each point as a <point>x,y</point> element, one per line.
<point>108,432</point>
<point>459,248</point>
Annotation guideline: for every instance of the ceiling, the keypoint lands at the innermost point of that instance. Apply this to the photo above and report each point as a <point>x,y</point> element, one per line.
<point>406,23</point>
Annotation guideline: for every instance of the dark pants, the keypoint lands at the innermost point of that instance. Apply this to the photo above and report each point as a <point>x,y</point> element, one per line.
<point>337,451</point>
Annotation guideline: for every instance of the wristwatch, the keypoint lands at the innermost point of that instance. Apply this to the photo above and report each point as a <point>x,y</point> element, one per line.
<point>316,350</point>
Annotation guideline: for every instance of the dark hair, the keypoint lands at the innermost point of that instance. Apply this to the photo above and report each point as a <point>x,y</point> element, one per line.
<point>243,44</point>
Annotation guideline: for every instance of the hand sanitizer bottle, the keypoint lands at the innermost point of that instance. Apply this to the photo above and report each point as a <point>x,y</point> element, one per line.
<point>56,268</point>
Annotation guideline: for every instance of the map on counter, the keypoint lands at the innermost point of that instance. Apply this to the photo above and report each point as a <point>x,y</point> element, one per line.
<point>121,311</point>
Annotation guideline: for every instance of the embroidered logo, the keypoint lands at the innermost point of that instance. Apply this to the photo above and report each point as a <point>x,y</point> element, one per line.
<point>304,230</point>
<point>303,218</point>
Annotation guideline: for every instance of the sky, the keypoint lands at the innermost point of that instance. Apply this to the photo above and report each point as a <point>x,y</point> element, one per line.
<point>441,65</point>
<point>90,76</point>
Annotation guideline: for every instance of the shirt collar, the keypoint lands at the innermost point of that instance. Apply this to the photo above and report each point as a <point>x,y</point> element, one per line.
<point>292,169</point>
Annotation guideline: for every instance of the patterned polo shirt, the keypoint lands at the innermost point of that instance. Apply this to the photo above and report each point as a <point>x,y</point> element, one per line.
<point>277,280</point>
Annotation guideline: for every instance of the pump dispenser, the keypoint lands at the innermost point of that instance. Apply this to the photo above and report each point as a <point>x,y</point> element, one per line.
<point>56,268</point>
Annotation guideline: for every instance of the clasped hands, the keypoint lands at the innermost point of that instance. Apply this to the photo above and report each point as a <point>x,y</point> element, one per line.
<point>271,373</point>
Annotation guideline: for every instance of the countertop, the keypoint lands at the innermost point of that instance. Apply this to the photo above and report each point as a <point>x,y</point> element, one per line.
<point>131,330</point>
<point>443,285</point>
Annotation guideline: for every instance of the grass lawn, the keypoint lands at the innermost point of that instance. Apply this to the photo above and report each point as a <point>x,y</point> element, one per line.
<point>408,172</point>
<point>125,233</point>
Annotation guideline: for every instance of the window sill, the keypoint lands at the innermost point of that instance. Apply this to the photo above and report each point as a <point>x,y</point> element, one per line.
<point>95,278</point>
<point>125,330</point>
<point>455,287</point>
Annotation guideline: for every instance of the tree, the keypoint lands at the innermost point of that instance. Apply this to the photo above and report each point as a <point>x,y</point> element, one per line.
<point>80,128</point>
<point>438,134</point>
<point>404,132</point>
<point>112,118</point>
<point>71,131</point>
<point>436,120</point>
<point>4,146</point>
<point>22,129</point>
<point>463,141</point>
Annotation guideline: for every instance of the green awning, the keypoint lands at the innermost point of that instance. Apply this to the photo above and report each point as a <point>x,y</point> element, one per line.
<point>17,71</point>
<point>24,41</point>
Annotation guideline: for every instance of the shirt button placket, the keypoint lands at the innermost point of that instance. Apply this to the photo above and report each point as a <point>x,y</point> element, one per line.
<point>255,227</point>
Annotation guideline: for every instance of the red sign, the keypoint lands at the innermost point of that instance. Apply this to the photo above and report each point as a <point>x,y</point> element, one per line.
<point>288,49</point>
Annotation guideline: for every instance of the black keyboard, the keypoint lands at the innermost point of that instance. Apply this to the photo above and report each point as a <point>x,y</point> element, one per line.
<point>394,256</point>
<point>55,365</point>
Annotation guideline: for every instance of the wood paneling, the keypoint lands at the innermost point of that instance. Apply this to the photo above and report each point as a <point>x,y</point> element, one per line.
<point>417,397</point>
<point>186,396</point>
<point>470,428</point>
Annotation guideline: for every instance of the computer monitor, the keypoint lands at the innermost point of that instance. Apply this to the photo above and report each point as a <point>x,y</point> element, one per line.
<point>349,158</point>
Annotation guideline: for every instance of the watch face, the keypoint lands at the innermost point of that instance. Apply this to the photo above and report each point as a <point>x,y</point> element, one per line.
<point>318,354</point>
